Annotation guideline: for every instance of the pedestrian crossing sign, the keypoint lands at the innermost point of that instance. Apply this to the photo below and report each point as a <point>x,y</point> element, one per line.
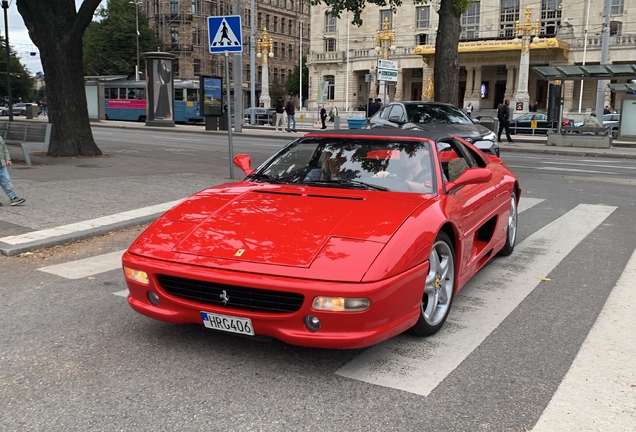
<point>225,34</point>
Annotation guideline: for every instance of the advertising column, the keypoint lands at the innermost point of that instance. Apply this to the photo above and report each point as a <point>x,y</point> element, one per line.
<point>159,89</point>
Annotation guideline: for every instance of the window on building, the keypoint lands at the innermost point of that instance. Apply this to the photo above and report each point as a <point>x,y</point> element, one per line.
<point>290,27</point>
<point>550,17</point>
<point>330,23</point>
<point>267,22</point>
<point>618,7</point>
<point>507,18</point>
<point>330,44</point>
<point>331,86</point>
<point>174,35</point>
<point>155,6</point>
<point>421,39</point>
<point>470,22</point>
<point>282,25</point>
<point>290,52</point>
<point>615,28</point>
<point>275,80</point>
<point>174,7</point>
<point>197,66</point>
<point>282,76</point>
<point>197,36</point>
<point>291,5</point>
<point>386,13</point>
<point>259,21</point>
<point>423,17</point>
<point>282,51</point>
<point>196,7</point>
<point>275,28</point>
<point>175,68</point>
<point>276,49</point>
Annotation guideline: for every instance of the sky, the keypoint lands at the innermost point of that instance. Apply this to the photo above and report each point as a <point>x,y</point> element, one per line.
<point>20,41</point>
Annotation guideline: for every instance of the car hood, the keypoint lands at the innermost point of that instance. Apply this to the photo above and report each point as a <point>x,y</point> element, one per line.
<point>473,132</point>
<point>279,225</point>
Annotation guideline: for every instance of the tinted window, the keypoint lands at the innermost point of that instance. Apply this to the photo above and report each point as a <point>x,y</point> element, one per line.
<point>436,113</point>
<point>397,111</point>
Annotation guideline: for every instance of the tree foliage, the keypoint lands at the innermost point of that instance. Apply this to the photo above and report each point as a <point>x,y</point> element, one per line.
<point>56,28</point>
<point>449,29</point>
<point>293,80</point>
<point>21,81</point>
<point>110,42</point>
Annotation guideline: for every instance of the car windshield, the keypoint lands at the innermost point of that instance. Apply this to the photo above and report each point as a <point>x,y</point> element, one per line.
<point>355,163</point>
<point>436,113</point>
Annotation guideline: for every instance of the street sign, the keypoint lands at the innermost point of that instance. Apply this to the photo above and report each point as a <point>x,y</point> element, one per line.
<point>387,64</point>
<point>368,78</point>
<point>323,92</point>
<point>387,75</point>
<point>225,34</point>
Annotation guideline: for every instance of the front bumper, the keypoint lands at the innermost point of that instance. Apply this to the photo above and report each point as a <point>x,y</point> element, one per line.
<point>395,304</point>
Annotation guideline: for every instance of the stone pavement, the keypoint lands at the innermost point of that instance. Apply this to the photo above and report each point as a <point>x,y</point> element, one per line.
<point>70,199</point>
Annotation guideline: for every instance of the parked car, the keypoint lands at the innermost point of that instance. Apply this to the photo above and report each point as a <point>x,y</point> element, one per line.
<point>434,118</point>
<point>523,124</point>
<point>4,111</point>
<point>261,115</point>
<point>20,108</point>
<point>342,239</point>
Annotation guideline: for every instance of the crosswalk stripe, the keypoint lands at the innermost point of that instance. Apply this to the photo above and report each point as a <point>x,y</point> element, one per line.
<point>597,393</point>
<point>86,267</point>
<point>122,293</point>
<point>528,203</point>
<point>418,366</point>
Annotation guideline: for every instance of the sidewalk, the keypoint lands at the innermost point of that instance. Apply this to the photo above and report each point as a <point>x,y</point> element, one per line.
<point>70,199</point>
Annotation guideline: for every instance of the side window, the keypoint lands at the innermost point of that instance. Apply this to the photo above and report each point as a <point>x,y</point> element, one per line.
<point>384,114</point>
<point>192,95</point>
<point>178,94</point>
<point>397,111</point>
<point>122,93</point>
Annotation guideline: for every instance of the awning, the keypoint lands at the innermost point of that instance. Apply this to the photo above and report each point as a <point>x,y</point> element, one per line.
<point>623,88</point>
<point>589,72</point>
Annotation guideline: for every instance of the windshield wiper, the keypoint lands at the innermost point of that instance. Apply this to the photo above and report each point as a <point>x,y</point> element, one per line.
<point>356,184</point>
<point>265,178</point>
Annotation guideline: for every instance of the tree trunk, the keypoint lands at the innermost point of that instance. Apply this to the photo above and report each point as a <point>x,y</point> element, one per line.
<point>446,68</point>
<point>56,29</point>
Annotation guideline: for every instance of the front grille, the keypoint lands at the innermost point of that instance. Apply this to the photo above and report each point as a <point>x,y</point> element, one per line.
<point>252,299</point>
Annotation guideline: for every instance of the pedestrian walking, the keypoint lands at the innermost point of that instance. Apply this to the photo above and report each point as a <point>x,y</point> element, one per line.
<point>469,109</point>
<point>323,117</point>
<point>280,112</point>
<point>5,180</point>
<point>503,115</point>
<point>290,109</point>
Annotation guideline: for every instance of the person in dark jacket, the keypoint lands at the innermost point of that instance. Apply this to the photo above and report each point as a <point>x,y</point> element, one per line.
<point>503,114</point>
<point>323,117</point>
<point>280,111</point>
<point>290,109</point>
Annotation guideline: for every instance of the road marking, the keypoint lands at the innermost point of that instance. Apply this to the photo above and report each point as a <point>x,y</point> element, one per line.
<point>560,169</point>
<point>86,267</point>
<point>176,139</point>
<point>89,224</point>
<point>528,203</point>
<point>122,293</point>
<point>597,393</point>
<point>594,164</point>
<point>419,365</point>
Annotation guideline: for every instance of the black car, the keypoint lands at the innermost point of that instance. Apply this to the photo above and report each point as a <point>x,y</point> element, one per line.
<point>261,115</point>
<point>436,118</point>
<point>523,124</point>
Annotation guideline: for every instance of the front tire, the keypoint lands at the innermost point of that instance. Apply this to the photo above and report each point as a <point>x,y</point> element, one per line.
<point>511,232</point>
<point>439,288</point>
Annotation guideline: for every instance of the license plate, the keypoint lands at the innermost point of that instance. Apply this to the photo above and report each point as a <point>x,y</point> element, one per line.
<point>228,323</point>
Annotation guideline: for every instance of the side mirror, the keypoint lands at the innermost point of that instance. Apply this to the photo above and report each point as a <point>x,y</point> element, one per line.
<point>244,162</point>
<point>395,119</point>
<point>470,176</point>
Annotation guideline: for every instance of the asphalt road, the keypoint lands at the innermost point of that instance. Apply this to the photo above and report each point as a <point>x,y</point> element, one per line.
<point>74,356</point>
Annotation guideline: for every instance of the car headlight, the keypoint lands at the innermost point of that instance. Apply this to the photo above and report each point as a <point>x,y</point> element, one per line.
<point>341,304</point>
<point>136,275</point>
<point>490,137</point>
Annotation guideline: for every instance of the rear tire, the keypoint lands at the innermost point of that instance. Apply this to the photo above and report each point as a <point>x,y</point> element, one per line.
<point>439,288</point>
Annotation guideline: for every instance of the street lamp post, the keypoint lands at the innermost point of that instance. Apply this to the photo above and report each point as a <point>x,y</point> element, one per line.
<point>136,3</point>
<point>384,45</point>
<point>526,30</point>
<point>5,6</point>
<point>265,50</point>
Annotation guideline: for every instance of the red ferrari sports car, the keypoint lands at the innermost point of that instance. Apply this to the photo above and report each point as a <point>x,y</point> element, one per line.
<point>342,239</point>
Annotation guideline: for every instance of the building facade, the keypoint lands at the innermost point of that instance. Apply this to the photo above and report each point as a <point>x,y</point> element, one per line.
<point>182,26</point>
<point>491,51</point>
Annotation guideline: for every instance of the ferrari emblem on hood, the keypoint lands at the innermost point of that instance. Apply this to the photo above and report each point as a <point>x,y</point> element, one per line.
<point>239,252</point>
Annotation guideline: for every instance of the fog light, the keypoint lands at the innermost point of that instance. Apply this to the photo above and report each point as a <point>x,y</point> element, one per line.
<point>312,323</point>
<point>153,298</point>
<point>341,304</point>
<point>136,275</point>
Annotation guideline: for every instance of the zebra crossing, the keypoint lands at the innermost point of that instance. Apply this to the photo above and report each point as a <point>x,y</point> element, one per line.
<point>603,366</point>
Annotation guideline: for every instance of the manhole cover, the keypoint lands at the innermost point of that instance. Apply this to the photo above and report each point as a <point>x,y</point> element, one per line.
<point>93,166</point>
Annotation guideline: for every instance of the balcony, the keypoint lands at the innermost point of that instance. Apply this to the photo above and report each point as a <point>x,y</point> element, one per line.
<point>172,17</point>
<point>327,57</point>
<point>625,40</point>
<point>178,47</point>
